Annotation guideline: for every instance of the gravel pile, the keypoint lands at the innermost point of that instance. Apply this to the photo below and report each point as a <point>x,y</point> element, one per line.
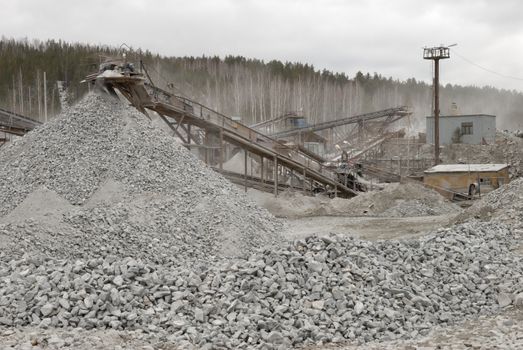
<point>488,332</point>
<point>395,200</point>
<point>500,332</point>
<point>107,224</point>
<point>120,187</point>
<point>402,200</point>
<point>410,208</point>
<point>505,204</point>
<point>315,290</point>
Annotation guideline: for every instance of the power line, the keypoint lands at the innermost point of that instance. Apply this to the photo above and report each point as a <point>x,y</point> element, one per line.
<point>486,69</point>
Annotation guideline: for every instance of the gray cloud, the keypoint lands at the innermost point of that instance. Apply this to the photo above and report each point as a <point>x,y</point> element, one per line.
<point>346,36</point>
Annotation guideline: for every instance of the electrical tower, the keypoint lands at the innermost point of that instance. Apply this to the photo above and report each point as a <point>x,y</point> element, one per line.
<point>436,54</point>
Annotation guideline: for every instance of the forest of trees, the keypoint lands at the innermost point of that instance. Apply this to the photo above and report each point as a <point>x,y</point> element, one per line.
<point>252,89</point>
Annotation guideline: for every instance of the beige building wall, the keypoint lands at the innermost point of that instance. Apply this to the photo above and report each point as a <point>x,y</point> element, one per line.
<point>460,182</point>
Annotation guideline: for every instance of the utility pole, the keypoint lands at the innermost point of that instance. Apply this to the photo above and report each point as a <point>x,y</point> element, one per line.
<point>436,54</point>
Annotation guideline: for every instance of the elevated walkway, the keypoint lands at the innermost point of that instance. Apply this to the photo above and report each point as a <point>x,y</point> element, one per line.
<point>16,124</point>
<point>390,115</point>
<point>182,114</point>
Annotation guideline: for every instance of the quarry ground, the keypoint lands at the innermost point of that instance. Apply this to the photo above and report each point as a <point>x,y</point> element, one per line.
<point>501,331</point>
<point>136,248</point>
<point>364,227</point>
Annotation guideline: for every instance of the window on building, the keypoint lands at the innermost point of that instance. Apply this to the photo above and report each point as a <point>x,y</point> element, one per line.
<point>466,128</point>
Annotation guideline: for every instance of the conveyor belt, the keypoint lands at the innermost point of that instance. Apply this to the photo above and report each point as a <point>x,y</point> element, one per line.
<point>16,124</point>
<point>183,110</point>
<point>393,113</point>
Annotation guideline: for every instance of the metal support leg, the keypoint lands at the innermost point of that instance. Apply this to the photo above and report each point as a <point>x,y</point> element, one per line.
<point>222,149</point>
<point>189,136</point>
<point>205,148</point>
<point>262,170</point>
<point>245,170</point>
<point>304,179</point>
<point>275,176</point>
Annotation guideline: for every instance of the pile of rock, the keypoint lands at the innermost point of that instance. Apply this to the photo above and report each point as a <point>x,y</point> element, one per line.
<point>108,224</point>
<point>315,290</point>
<point>120,186</point>
<point>504,204</point>
<point>402,200</point>
<point>395,200</point>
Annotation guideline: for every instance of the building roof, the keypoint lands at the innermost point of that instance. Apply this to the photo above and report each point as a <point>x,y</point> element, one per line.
<point>465,168</point>
<point>463,115</point>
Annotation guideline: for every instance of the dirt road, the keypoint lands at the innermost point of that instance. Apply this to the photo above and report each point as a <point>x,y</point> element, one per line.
<point>371,228</point>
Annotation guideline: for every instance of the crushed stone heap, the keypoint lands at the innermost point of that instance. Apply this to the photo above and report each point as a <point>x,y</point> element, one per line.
<point>401,200</point>
<point>106,223</point>
<point>315,290</point>
<point>101,180</point>
<point>504,204</point>
<point>395,200</point>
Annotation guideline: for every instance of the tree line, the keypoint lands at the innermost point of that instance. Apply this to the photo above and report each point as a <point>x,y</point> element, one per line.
<point>252,89</point>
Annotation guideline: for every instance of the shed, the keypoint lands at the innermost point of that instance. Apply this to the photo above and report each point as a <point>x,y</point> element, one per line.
<point>470,129</point>
<point>466,178</point>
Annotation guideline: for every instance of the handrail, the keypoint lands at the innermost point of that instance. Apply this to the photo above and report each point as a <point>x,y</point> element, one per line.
<point>19,116</point>
<point>249,133</point>
<point>181,108</point>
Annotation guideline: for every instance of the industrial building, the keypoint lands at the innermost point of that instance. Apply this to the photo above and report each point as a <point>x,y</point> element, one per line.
<point>470,129</point>
<point>467,179</point>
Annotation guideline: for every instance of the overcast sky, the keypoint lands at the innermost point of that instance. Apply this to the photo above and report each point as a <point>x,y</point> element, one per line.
<point>341,35</point>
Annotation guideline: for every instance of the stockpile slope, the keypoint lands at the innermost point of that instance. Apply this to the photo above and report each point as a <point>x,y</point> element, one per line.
<point>395,200</point>
<point>504,204</point>
<point>122,187</point>
<point>312,291</point>
<point>125,239</point>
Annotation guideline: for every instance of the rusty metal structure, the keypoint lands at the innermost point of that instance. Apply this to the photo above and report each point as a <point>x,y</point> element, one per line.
<point>436,54</point>
<point>356,135</point>
<point>209,131</point>
<point>16,124</point>
<point>387,116</point>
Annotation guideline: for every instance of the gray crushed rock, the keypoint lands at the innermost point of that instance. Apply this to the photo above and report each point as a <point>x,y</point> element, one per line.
<point>504,204</point>
<point>410,208</point>
<point>155,247</point>
<point>402,200</point>
<point>313,291</point>
<point>168,206</point>
<point>499,332</point>
<point>395,200</point>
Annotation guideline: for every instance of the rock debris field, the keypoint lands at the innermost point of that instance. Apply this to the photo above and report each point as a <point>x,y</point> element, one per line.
<point>395,200</point>
<point>101,180</point>
<point>109,226</point>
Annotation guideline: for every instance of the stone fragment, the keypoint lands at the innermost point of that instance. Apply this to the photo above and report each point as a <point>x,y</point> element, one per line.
<point>275,338</point>
<point>359,307</point>
<point>199,315</point>
<point>318,304</point>
<point>118,280</point>
<point>47,309</point>
<point>504,299</point>
<point>518,299</point>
